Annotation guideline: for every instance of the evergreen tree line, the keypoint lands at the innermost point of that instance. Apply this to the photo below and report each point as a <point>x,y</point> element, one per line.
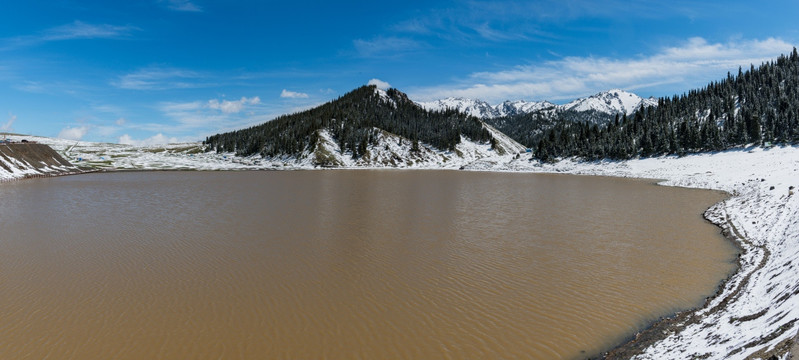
<point>352,120</point>
<point>528,129</point>
<point>759,106</point>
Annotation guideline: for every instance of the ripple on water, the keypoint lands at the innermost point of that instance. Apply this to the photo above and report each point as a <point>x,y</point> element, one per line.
<point>372,264</point>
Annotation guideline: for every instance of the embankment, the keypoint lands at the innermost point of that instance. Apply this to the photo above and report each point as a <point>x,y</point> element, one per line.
<point>755,314</point>
<point>27,160</point>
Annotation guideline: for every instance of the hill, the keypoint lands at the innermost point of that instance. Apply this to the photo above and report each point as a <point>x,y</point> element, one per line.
<point>24,160</point>
<point>369,127</point>
<point>756,107</point>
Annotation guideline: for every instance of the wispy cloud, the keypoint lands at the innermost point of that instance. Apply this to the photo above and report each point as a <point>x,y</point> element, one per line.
<point>8,126</point>
<point>106,131</point>
<point>484,21</point>
<point>386,46</point>
<point>293,95</point>
<point>478,22</point>
<point>696,61</point>
<point>73,31</point>
<point>211,114</point>
<point>81,30</point>
<point>233,107</point>
<point>181,5</point>
<point>157,78</point>
<point>108,108</point>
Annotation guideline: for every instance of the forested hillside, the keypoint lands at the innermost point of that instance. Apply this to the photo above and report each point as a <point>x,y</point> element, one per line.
<point>354,121</point>
<point>529,129</point>
<point>758,106</point>
<point>530,126</point>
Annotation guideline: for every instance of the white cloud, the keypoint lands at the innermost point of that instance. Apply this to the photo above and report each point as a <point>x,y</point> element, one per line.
<point>156,78</point>
<point>191,115</point>
<point>232,107</point>
<point>32,87</point>
<point>173,107</point>
<point>81,30</point>
<point>72,31</point>
<point>208,116</point>
<point>692,64</point>
<point>385,46</point>
<point>105,131</point>
<point>379,83</point>
<point>182,5</point>
<point>478,21</point>
<point>73,133</point>
<point>158,139</point>
<point>293,95</point>
<point>120,121</point>
<point>8,126</point>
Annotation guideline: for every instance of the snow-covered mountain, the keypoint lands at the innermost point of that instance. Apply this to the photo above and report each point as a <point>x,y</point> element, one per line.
<point>478,108</point>
<point>484,110</point>
<point>510,108</point>
<point>611,102</point>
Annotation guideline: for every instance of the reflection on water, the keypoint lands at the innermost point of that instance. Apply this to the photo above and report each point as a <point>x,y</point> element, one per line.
<point>345,264</point>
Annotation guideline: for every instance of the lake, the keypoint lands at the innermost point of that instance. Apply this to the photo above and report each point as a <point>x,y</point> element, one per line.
<point>346,264</point>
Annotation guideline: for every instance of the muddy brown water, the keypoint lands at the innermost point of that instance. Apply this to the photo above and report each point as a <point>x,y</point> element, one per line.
<point>346,264</point>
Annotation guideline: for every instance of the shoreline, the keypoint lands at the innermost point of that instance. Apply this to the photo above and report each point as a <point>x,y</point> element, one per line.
<point>636,343</point>
<point>755,310</point>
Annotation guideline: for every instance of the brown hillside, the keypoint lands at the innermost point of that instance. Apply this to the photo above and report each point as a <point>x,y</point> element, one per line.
<point>37,156</point>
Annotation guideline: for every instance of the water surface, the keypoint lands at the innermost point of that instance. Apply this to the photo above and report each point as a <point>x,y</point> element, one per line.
<point>345,264</point>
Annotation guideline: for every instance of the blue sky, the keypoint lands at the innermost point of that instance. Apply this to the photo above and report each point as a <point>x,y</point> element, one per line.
<point>152,71</point>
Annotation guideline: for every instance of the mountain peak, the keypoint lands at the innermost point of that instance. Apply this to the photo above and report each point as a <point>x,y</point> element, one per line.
<point>613,101</point>
<point>484,110</point>
<point>610,102</point>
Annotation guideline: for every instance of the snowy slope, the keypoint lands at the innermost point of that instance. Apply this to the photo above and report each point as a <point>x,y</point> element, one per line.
<point>478,108</point>
<point>390,151</point>
<point>393,151</point>
<point>518,107</point>
<point>612,102</point>
<point>484,110</point>
<point>18,161</point>
<point>756,315</point>
<point>183,156</point>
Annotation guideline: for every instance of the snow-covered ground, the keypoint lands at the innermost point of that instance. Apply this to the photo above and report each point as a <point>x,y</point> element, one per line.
<point>181,156</point>
<point>19,161</point>
<point>755,315</point>
<point>757,312</point>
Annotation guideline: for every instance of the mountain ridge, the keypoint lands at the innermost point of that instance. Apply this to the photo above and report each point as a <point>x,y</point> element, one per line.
<point>370,127</point>
<point>611,102</point>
